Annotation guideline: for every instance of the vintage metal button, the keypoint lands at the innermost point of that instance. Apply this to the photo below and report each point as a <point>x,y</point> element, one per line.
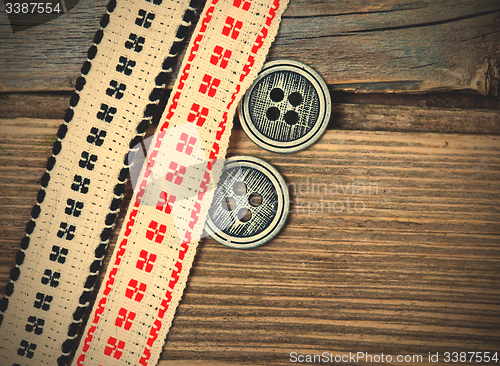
<point>250,204</point>
<point>287,108</point>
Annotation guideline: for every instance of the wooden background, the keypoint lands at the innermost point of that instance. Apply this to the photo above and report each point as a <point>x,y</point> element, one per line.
<point>416,116</point>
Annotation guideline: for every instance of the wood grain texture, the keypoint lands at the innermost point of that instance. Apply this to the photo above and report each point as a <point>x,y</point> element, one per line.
<point>345,116</point>
<point>369,117</point>
<point>378,46</point>
<point>414,268</point>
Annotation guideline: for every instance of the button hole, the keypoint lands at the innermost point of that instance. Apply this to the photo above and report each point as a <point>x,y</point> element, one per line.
<point>277,95</point>
<point>273,113</point>
<point>244,215</point>
<point>229,204</point>
<point>295,99</point>
<point>239,188</point>
<point>291,117</point>
<point>255,199</point>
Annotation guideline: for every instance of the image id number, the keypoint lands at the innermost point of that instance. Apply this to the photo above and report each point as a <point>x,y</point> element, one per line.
<point>32,8</point>
<point>470,357</point>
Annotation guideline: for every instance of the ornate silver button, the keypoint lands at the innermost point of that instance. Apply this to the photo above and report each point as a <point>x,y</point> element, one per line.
<point>250,204</point>
<point>287,108</point>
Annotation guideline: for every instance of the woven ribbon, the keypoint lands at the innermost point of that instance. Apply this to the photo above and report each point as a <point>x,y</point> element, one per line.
<point>66,239</point>
<point>79,199</point>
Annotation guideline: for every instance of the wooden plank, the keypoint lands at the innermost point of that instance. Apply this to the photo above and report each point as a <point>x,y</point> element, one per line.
<point>412,269</point>
<point>393,45</point>
<point>382,46</point>
<point>370,117</point>
<point>345,116</point>
<point>54,105</point>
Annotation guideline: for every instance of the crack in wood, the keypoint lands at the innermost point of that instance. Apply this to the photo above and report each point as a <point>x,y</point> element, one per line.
<point>420,66</point>
<point>401,27</point>
<point>348,13</point>
<point>481,35</point>
<point>427,24</point>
